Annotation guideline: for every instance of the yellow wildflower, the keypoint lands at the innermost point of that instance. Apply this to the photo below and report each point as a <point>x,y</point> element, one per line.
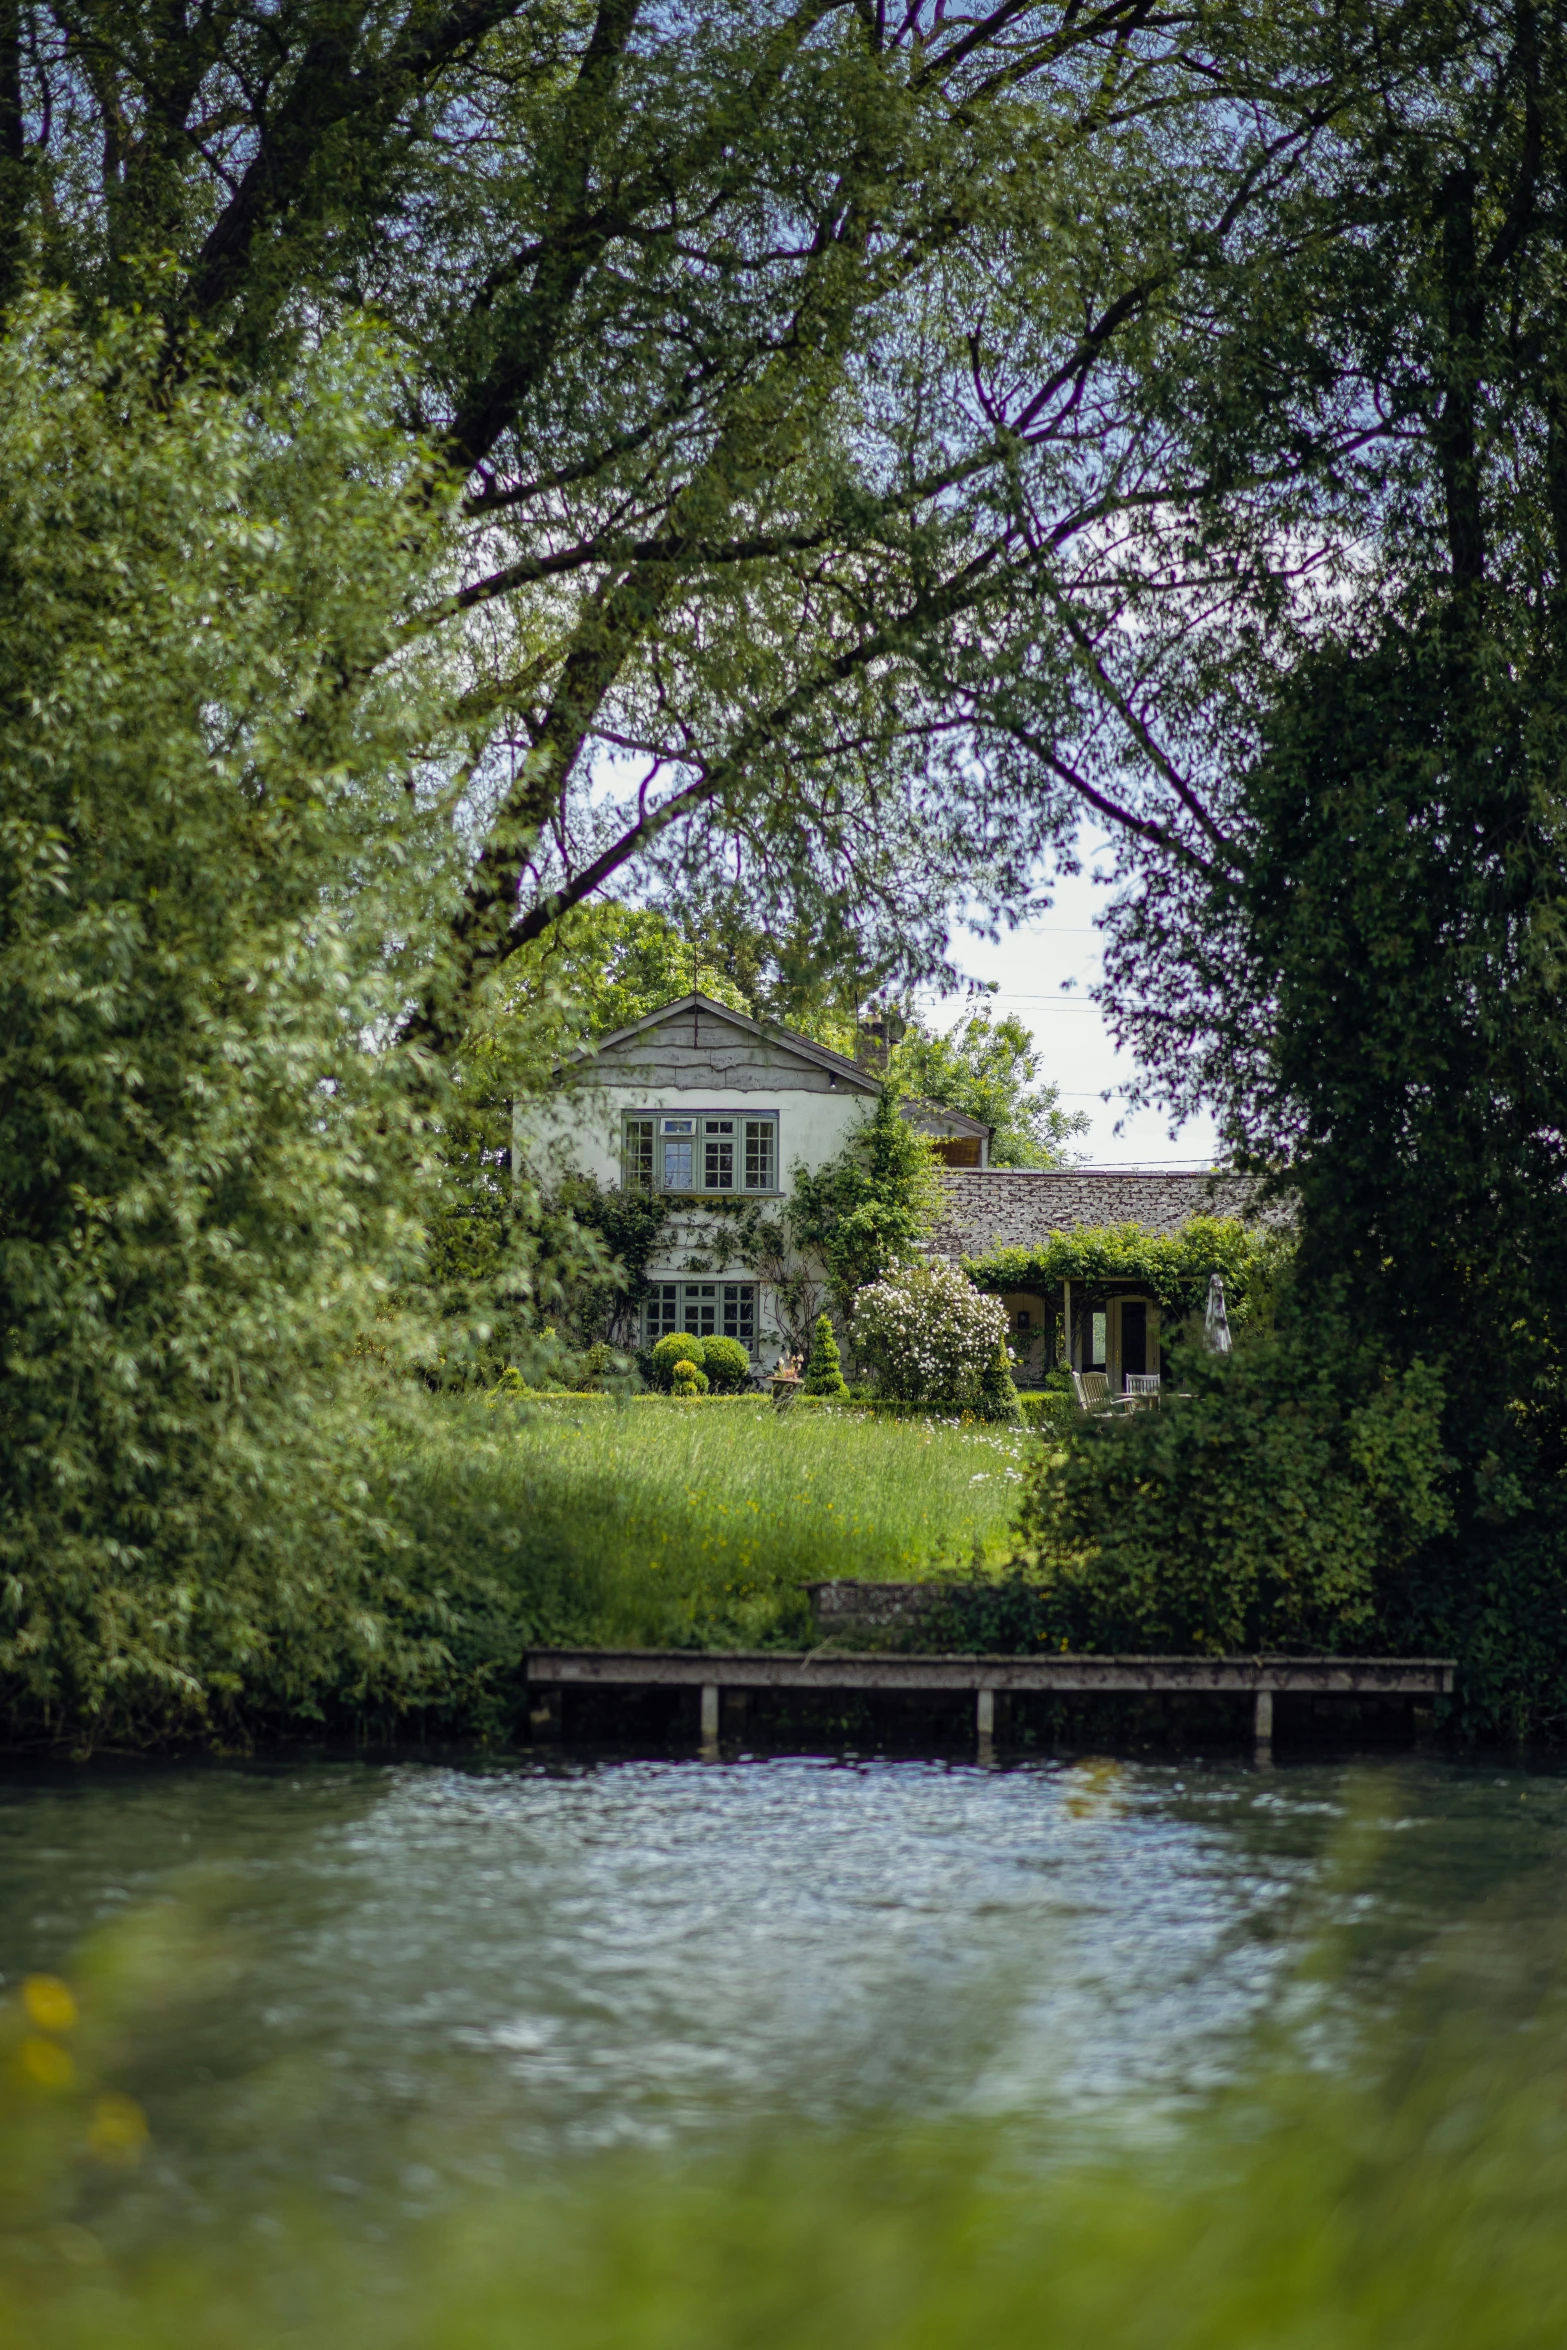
<point>50,2004</point>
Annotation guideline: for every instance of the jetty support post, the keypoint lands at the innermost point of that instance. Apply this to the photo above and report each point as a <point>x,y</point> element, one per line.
<point>1263,1719</point>
<point>709,1717</point>
<point>985,1723</point>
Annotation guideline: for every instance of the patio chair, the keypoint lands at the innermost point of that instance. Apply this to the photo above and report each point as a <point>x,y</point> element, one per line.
<point>1092,1389</point>
<point>1142,1388</point>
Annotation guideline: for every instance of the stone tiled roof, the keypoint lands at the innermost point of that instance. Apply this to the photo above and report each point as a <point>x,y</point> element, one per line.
<point>1017,1207</point>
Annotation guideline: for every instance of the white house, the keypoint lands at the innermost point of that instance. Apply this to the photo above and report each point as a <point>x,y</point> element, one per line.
<point>714,1112</point>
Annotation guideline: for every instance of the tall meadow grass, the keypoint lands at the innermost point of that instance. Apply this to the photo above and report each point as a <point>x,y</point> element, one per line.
<point>657,1522</point>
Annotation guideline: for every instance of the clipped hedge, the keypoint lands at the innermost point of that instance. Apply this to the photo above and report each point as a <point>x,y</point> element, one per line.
<point>726,1363</point>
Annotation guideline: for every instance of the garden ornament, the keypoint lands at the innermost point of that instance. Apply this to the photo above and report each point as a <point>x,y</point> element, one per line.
<point>1216,1324</point>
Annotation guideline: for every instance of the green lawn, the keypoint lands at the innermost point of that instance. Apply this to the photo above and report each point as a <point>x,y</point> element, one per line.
<point>658,1523</point>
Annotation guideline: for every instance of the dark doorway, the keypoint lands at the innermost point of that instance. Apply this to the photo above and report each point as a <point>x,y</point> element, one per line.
<point>1134,1339</point>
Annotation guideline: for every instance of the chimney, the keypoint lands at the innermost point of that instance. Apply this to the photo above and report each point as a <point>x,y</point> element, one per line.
<point>876,1031</point>
<point>870,1045</point>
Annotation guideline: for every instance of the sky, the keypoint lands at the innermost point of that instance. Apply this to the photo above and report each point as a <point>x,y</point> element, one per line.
<point>1031,966</point>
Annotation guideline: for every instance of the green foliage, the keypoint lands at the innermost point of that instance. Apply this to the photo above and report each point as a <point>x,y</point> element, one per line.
<point>686,1380</point>
<point>1407,890</point>
<point>674,413</point>
<point>607,965</point>
<point>215,881</point>
<point>824,1366</point>
<point>677,1346</point>
<point>997,1393</point>
<point>499,1258</point>
<point>592,1294</point>
<point>727,1365</point>
<point>1053,1404</point>
<point>989,1069</point>
<point>1278,1505</point>
<point>867,1210</point>
<point>1401,911</point>
<point>598,1365</point>
<point>1173,1268</point>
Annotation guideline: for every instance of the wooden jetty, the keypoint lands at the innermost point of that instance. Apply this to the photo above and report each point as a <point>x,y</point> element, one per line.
<point>553,1670</point>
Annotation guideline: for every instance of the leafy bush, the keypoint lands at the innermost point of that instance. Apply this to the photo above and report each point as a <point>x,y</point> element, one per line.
<point>824,1369</point>
<point>687,1380</point>
<point>1277,1506</point>
<point>930,1336</point>
<point>627,1226</point>
<point>1054,1404</point>
<point>997,1392</point>
<point>677,1346</point>
<point>599,1362</point>
<point>727,1365</point>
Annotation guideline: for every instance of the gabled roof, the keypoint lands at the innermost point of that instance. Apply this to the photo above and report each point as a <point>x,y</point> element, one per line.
<point>837,1065</point>
<point>916,1108</point>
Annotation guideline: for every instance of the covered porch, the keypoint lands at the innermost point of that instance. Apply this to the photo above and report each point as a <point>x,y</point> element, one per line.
<point>1109,1326</point>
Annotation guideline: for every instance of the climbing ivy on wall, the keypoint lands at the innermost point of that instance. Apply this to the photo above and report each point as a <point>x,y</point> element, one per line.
<point>1173,1268</point>
<point>720,1234</point>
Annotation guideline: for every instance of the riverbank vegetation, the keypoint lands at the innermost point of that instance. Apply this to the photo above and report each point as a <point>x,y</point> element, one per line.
<point>448,1533</point>
<point>1274,1506</point>
<point>413,437</point>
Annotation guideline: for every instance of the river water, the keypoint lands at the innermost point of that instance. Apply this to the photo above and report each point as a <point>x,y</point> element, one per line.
<point>398,1978</point>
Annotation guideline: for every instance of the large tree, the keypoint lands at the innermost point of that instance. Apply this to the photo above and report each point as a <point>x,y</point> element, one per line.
<point>1363,977</point>
<point>1367,981</point>
<point>209,1176</point>
<point>990,1070</point>
<point>846,398</point>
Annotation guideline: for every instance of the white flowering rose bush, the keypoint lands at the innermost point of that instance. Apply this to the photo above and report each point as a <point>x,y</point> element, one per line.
<point>929,1335</point>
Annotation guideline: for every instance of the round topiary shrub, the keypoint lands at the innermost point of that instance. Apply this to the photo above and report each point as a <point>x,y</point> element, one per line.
<point>727,1365</point>
<point>681,1346</point>
<point>688,1380</point>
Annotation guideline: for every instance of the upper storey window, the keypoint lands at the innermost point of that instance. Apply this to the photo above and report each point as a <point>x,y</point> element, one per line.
<point>702,1151</point>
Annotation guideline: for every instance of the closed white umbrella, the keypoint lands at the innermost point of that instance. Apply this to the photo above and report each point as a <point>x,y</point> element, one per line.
<point>1216,1322</point>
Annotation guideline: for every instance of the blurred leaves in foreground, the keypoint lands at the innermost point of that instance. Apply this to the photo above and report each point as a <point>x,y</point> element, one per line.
<point>1419,2203</point>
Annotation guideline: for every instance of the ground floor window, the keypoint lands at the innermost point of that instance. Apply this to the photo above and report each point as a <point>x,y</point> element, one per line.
<point>708,1309</point>
<point>662,1310</point>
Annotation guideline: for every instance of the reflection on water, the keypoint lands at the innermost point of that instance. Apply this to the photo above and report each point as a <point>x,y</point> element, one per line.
<point>400,1973</point>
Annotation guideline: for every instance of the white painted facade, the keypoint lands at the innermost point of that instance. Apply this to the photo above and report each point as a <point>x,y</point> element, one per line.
<point>696,1063</point>
<point>581,1127</point>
